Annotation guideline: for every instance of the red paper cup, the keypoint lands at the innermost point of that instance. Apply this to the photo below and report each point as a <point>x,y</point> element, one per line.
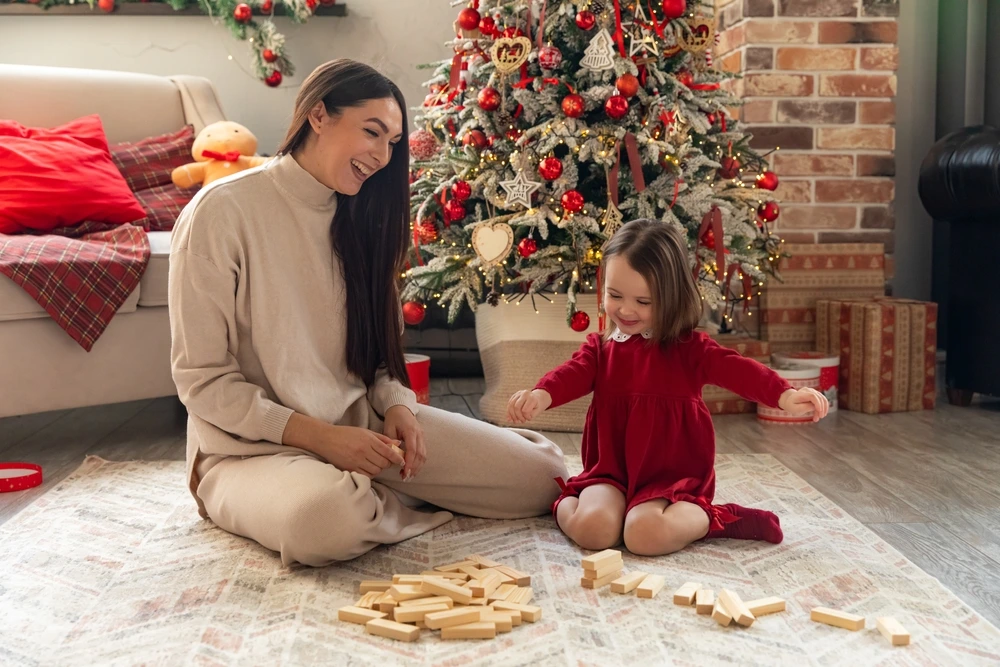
<point>829,370</point>
<point>418,367</point>
<point>799,378</point>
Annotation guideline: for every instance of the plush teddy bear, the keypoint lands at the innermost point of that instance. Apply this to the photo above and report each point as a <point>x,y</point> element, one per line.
<point>219,150</point>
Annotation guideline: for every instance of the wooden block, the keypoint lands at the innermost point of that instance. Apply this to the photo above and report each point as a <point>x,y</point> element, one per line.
<point>408,579</point>
<point>502,592</point>
<point>479,630</point>
<point>613,566</point>
<point>521,595</point>
<point>402,592</point>
<point>368,600</point>
<point>892,630</point>
<point>837,619</point>
<point>419,602</point>
<point>479,602</point>
<point>766,606</point>
<point>416,612</point>
<point>397,450</point>
<point>392,630</point>
<point>504,578</point>
<point>685,594</point>
<point>528,612</point>
<point>441,587</point>
<point>386,603</point>
<point>482,561</point>
<point>515,616</point>
<point>705,601</point>
<point>358,615</point>
<point>373,585</point>
<point>457,576</point>
<point>453,567</point>
<point>627,583</point>
<point>484,587</point>
<point>600,559</point>
<point>721,614</point>
<point>737,607</point>
<point>459,616</point>
<point>602,582</point>
<point>501,620</point>
<point>421,625</point>
<point>650,586</point>
<point>473,571</point>
<point>520,578</point>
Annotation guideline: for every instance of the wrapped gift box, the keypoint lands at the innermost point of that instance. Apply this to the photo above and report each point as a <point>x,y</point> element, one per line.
<point>813,272</point>
<point>888,352</point>
<point>722,401</point>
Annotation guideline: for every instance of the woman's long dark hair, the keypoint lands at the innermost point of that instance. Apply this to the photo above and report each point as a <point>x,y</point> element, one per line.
<point>370,229</point>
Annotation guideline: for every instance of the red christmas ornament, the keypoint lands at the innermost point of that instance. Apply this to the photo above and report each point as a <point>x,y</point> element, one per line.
<point>427,231</point>
<point>767,181</point>
<point>475,138</point>
<point>461,190</point>
<point>513,32</point>
<point>513,134</point>
<point>616,107</point>
<point>414,312</point>
<point>549,57</point>
<point>572,105</point>
<point>730,167</point>
<point>311,4</point>
<point>492,140</point>
<point>489,99</point>
<point>685,77</point>
<point>572,201</point>
<point>550,168</point>
<point>674,9</point>
<point>468,19</point>
<point>488,26</point>
<point>273,79</point>
<point>269,56</point>
<point>242,13</point>
<point>453,211</point>
<point>768,211</point>
<point>708,239</point>
<point>267,6</point>
<point>527,247</point>
<point>627,84</point>
<point>585,20</point>
<point>423,145</point>
<point>106,5</point>
<point>580,321</point>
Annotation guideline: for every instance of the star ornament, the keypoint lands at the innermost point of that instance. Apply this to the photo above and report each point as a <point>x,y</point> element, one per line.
<point>640,40</point>
<point>519,190</point>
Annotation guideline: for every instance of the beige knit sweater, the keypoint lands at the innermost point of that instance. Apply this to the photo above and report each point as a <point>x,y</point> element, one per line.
<point>257,314</point>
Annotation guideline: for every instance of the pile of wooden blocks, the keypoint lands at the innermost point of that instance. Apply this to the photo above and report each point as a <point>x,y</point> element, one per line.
<point>605,567</point>
<point>475,598</point>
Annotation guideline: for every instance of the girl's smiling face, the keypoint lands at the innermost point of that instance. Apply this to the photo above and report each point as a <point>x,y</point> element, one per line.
<point>627,297</point>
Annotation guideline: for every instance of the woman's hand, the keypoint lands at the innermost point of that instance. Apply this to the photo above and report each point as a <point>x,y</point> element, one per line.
<point>525,405</point>
<point>801,401</point>
<point>401,424</point>
<point>349,448</point>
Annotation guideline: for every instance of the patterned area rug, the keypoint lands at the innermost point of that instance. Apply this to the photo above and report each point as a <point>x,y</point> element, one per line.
<point>114,567</point>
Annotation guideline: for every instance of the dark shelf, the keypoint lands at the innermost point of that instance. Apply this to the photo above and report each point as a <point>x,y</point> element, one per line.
<point>150,9</point>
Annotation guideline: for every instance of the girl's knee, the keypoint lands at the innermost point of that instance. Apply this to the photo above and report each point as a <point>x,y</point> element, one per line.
<point>594,528</point>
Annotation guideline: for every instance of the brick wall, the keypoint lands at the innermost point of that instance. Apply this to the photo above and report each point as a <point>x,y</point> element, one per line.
<point>819,82</point>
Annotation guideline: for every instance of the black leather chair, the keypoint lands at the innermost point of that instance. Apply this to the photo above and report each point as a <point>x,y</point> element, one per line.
<point>960,187</point>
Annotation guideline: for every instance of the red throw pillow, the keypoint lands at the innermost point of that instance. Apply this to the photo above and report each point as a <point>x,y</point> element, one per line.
<point>148,163</point>
<point>60,177</point>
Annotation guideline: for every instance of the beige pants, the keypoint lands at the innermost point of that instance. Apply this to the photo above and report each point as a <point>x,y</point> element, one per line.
<point>313,513</point>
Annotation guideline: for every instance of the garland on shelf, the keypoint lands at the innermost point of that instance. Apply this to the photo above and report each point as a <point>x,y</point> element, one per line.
<point>247,20</point>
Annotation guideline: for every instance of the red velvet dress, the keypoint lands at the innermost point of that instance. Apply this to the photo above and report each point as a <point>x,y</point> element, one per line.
<point>648,432</point>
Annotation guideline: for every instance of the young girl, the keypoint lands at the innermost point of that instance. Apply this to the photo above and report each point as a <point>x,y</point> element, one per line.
<point>648,443</point>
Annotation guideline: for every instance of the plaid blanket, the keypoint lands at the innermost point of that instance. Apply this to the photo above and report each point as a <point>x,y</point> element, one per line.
<point>81,276</point>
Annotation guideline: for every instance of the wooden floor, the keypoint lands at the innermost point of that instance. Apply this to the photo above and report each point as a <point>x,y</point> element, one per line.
<point>926,482</point>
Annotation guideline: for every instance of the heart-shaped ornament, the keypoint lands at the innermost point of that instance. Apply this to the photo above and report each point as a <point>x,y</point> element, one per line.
<point>701,37</point>
<point>493,241</point>
<point>509,53</point>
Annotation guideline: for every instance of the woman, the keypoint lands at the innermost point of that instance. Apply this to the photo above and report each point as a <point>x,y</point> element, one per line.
<point>287,347</point>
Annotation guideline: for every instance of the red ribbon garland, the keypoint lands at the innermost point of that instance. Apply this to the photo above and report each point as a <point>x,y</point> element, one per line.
<point>635,164</point>
<point>677,190</point>
<point>231,156</point>
<point>657,26</point>
<point>713,221</point>
<point>541,23</point>
<point>747,284</point>
<point>619,35</point>
<point>456,70</point>
<point>416,243</point>
<point>704,86</point>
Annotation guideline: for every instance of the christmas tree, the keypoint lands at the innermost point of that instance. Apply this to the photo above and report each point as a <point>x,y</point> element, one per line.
<point>557,120</point>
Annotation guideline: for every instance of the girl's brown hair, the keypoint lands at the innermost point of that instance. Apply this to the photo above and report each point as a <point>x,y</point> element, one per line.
<point>369,230</point>
<point>658,252</point>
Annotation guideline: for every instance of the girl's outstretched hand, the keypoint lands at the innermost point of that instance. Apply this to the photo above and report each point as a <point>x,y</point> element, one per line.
<point>526,404</point>
<point>801,401</point>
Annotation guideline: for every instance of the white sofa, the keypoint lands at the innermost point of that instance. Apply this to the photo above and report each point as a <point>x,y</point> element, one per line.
<point>41,367</point>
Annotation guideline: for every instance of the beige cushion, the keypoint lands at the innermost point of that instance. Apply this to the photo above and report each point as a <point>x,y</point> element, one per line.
<point>154,280</point>
<point>15,304</point>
